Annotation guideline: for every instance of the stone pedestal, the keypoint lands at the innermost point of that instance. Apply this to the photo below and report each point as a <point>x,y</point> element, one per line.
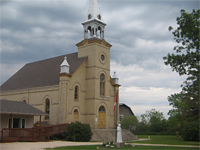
<point>119,144</point>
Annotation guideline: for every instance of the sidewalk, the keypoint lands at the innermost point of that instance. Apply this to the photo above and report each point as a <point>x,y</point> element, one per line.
<point>52,144</point>
<point>164,145</point>
<point>42,145</point>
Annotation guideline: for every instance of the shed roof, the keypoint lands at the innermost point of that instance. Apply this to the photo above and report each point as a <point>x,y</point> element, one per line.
<point>41,73</point>
<point>19,108</point>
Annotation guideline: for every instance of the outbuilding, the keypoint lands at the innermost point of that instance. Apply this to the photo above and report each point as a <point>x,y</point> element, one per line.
<point>16,114</point>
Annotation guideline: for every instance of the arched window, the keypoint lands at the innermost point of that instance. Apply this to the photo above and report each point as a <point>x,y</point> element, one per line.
<point>89,16</point>
<point>76,116</point>
<point>76,93</point>
<point>102,109</point>
<point>89,32</point>
<point>102,85</point>
<point>99,32</point>
<point>47,108</point>
<point>24,101</point>
<point>99,17</point>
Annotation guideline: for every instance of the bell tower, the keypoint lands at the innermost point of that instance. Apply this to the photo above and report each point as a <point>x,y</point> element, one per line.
<point>94,25</point>
<point>100,90</point>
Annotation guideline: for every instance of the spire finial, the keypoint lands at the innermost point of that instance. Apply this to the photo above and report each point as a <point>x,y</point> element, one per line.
<point>94,11</point>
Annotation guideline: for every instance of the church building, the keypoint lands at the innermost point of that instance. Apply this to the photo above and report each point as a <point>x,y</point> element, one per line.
<point>72,87</point>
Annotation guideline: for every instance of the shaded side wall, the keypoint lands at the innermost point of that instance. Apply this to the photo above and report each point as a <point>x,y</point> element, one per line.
<point>5,120</point>
<point>125,111</point>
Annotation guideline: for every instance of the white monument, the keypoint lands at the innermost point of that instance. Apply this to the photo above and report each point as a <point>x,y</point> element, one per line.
<point>119,136</point>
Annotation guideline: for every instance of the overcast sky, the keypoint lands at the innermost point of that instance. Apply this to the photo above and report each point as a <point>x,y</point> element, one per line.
<point>137,29</point>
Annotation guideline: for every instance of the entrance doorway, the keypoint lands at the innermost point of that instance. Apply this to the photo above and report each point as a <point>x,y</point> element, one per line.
<point>16,123</point>
<point>102,118</point>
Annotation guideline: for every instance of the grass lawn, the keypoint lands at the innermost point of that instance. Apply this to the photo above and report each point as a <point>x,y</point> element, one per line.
<point>165,139</point>
<point>94,147</point>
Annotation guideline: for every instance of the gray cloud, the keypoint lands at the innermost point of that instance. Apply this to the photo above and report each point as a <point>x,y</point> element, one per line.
<point>138,31</point>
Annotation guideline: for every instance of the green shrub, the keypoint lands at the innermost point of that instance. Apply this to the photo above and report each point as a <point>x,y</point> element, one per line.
<point>78,132</point>
<point>58,137</point>
<point>190,131</point>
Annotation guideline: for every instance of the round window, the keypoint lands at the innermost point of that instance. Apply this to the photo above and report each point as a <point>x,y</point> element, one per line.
<point>102,57</point>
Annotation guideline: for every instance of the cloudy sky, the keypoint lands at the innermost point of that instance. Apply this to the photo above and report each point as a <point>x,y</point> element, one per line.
<point>137,29</point>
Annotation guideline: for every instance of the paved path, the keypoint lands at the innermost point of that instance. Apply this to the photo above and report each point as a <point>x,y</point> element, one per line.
<point>42,145</point>
<point>52,144</point>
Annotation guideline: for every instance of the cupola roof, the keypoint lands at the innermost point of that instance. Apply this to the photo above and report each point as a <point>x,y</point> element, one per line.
<point>114,75</point>
<point>65,63</point>
<point>64,67</point>
<point>94,12</point>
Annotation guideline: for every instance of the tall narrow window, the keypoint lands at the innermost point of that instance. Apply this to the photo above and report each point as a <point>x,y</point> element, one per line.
<point>76,93</point>
<point>47,108</point>
<point>102,85</point>
<point>76,116</point>
<point>23,123</point>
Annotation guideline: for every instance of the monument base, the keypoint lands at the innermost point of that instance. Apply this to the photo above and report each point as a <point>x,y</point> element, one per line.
<point>119,144</point>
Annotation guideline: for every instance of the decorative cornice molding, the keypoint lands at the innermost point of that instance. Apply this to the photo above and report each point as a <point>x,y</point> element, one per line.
<point>93,40</point>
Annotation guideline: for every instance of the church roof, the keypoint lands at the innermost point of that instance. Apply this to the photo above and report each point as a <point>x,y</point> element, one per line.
<point>20,108</point>
<point>41,73</point>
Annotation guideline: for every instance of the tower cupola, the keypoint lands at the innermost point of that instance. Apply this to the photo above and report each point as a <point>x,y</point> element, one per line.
<point>94,25</point>
<point>115,78</point>
<point>64,67</point>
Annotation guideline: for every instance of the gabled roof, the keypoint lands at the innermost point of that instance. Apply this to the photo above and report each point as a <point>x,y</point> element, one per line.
<point>41,73</point>
<point>122,104</point>
<point>20,108</point>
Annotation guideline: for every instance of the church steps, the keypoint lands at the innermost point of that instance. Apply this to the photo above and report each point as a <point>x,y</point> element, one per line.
<point>106,135</point>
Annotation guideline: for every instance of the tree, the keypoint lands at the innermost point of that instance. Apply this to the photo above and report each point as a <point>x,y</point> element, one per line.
<point>176,101</point>
<point>154,119</point>
<point>186,62</point>
<point>129,122</point>
<point>173,125</point>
